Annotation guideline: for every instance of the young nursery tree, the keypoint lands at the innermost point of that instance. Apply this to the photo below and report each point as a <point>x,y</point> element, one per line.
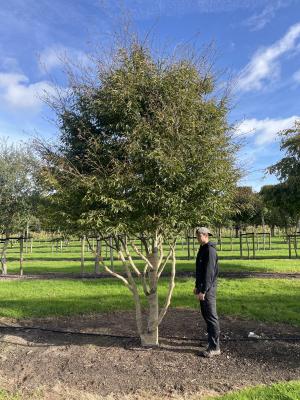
<point>145,152</point>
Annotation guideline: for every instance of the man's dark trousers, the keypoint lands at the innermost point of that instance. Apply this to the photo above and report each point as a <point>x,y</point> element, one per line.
<point>209,313</point>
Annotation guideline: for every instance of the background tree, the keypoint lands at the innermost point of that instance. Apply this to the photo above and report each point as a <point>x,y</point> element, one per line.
<point>59,211</point>
<point>246,205</point>
<point>17,192</point>
<point>146,150</point>
<point>288,171</point>
<point>275,199</point>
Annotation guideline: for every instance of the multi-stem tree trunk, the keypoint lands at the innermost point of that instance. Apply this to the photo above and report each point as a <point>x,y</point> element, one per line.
<point>148,278</point>
<point>150,336</point>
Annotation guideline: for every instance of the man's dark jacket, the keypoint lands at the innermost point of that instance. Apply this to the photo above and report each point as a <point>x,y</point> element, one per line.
<point>207,268</point>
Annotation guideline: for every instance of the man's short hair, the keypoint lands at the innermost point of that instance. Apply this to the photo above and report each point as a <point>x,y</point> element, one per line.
<point>203,230</point>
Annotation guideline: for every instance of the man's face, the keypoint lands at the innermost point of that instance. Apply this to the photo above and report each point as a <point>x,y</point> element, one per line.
<point>202,238</point>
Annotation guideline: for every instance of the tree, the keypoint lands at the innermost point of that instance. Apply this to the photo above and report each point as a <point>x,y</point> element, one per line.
<point>246,206</point>
<point>59,211</point>
<point>275,198</point>
<point>145,152</point>
<point>17,192</point>
<point>288,171</point>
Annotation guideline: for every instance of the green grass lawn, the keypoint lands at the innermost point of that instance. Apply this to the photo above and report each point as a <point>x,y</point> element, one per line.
<point>278,391</point>
<point>44,260</point>
<point>271,300</point>
<point>65,265</point>
<point>4,395</point>
<point>250,298</point>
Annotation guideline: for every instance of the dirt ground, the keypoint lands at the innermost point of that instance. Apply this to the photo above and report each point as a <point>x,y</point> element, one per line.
<point>97,365</point>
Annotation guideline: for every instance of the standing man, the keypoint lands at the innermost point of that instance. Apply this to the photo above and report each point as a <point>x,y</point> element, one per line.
<point>206,289</point>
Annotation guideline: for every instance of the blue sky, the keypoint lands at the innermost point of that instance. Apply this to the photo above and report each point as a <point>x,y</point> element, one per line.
<point>257,42</point>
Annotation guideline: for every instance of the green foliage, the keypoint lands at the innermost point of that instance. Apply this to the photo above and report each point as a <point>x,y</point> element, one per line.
<point>146,149</point>
<point>288,171</point>
<point>247,206</point>
<point>278,200</point>
<point>18,192</point>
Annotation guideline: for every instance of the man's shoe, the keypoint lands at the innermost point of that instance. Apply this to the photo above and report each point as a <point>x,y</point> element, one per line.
<point>210,353</point>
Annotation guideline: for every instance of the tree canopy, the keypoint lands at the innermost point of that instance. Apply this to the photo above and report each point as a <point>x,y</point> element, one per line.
<point>147,148</point>
<point>17,187</point>
<point>288,172</point>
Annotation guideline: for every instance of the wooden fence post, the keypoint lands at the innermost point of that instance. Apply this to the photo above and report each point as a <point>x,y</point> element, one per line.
<point>193,245</point>
<point>241,246</point>
<point>21,255</point>
<point>97,258</point>
<point>82,254</point>
<point>111,251</point>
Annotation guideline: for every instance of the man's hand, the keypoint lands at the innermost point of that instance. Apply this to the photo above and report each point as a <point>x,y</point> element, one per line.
<point>201,296</point>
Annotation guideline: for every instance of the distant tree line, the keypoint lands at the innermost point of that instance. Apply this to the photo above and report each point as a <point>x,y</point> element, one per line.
<point>275,205</point>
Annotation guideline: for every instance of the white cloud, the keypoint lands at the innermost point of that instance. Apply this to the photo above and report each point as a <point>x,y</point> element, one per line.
<point>264,66</point>
<point>296,76</point>
<point>56,56</point>
<point>259,21</point>
<point>265,130</point>
<point>9,64</point>
<point>144,9</point>
<point>17,92</point>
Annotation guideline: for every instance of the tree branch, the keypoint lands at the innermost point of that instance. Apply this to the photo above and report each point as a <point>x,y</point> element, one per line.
<point>171,288</point>
<point>134,290</point>
<point>90,247</point>
<point>124,280</point>
<point>172,248</point>
<point>141,255</point>
<point>125,247</point>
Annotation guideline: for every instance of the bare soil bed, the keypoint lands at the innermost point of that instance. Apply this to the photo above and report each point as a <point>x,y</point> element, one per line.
<point>98,365</point>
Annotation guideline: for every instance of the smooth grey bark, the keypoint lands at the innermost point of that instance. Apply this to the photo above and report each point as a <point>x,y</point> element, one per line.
<point>150,336</point>
<point>148,278</point>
